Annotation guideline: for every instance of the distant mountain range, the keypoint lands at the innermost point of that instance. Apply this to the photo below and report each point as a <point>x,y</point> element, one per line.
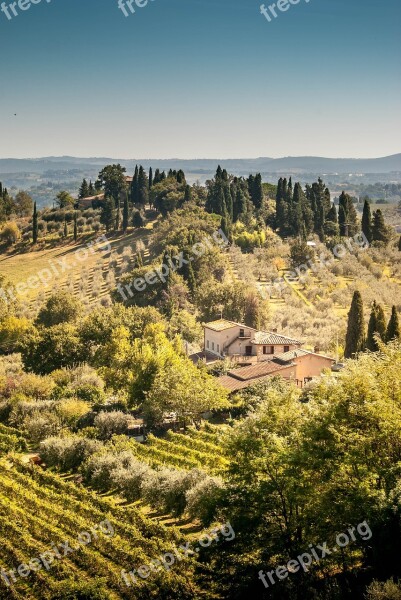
<point>241,166</point>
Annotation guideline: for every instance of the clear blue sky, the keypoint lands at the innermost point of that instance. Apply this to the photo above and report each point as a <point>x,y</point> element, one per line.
<point>201,78</point>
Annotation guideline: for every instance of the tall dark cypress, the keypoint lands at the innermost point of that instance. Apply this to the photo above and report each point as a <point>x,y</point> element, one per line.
<point>355,337</point>
<point>134,187</point>
<point>257,195</point>
<point>379,231</point>
<point>393,328</point>
<point>125,213</point>
<point>35,224</point>
<point>75,227</point>
<point>118,215</point>
<point>150,178</point>
<point>188,193</point>
<point>376,327</point>
<point>143,188</point>
<point>367,222</point>
<point>372,329</point>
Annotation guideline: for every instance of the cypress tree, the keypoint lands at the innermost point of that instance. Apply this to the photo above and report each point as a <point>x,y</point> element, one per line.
<point>367,222</point>
<point>125,213</point>
<point>143,188</point>
<point>347,217</point>
<point>65,233</point>
<point>372,329</point>
<point>399,244</point>
<point>118,215</point>
<point>137,219</point>
<point>381,322</point>
<point>91,190</point>
<point>84,190</point>
<point>188,193</point>
<point>379,232</point>
<point>150,178</point>
<point>75,227</point>
<point>134,187</point>
<point>355,337</point>
<point>35,224</point>
<point>156,178</point>
<point>377,327</point>
<point>257,196</point>
<point>393,328</point>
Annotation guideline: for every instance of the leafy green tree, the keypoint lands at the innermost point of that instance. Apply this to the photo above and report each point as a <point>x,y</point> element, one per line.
<point>50,348</point>
<point>107,217</point>
<point>393,328</point>
<point>60,307</point>
<point>112,180</point>
<point>64,200</point>
<point>10,234</point>
<point>300,253</point>
<point>184,390</point>
<point>355,337</point>
<point>23,204</point>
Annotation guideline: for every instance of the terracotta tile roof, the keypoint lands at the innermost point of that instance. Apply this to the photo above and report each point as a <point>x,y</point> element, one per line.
<point>221,325</point>
<point>232,384</point>
<point>272,338</point>
<point>90,198</point>
<point>292,354</point>
<point>259,370</point>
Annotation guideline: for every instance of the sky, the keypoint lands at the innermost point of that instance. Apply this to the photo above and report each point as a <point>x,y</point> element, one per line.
<point>200,79</point>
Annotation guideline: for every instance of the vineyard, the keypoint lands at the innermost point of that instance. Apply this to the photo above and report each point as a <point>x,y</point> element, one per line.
<point>198,449</point>
<point>40,511</point>
<point>11,440</point>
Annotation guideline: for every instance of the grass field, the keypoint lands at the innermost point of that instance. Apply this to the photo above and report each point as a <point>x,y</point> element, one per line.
<point>68,263</point>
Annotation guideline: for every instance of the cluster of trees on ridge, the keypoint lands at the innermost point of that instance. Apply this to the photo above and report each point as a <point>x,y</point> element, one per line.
<point>378,332</point>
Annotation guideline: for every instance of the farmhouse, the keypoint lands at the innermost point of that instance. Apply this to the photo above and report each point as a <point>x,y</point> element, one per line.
<point>260,354</point>
<point>229,339</point>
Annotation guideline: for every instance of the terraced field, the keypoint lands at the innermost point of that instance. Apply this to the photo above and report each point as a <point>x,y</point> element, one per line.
<point>197,449</point>
<point>41,516</point>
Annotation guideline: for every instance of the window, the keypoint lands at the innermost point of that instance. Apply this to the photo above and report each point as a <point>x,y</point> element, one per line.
<point>242,332</point>
<point>218,347</point>
<point>271,349</point>
<point>207,344</point>
<point>286,348</point>
<point>212,345</point>
<point>264,349</point>
<point>248,350</point>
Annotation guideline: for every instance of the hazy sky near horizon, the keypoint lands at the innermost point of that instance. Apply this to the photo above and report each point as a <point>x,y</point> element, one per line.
<point>201,79</point>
